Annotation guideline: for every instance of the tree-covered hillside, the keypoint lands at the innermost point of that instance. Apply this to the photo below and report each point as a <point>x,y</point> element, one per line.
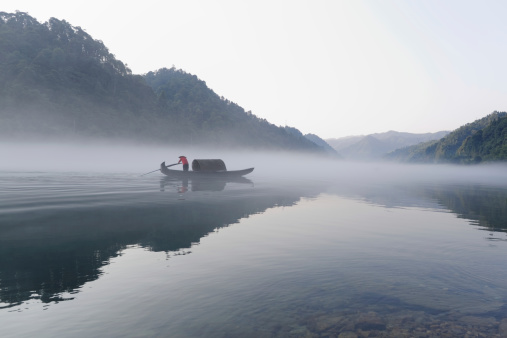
<point>483,139</point>
<point>487,144</point>
<point>202,116</point>
<point>57,82</point>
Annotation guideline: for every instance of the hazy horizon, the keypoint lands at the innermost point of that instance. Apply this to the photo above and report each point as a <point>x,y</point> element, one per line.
<point>135,160</point>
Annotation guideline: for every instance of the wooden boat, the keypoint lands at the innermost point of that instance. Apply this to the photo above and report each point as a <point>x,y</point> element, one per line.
<point>203,173</point>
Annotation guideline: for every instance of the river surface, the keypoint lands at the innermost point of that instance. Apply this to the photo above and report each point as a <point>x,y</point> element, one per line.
<point>120,255</point>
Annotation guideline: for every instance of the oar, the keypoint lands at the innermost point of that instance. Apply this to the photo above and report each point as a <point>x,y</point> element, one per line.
<point>167,166</point>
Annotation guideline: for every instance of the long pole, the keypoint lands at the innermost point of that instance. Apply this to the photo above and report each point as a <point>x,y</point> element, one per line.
<point>167,166</point>
<point>149,172</point>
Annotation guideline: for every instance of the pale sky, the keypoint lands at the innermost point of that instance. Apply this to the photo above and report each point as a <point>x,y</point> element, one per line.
<point>331,68</point>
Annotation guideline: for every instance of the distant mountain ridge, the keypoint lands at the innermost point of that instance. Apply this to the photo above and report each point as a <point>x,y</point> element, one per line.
<point>375,146</point>
<point>322,143</point>
<point>482,140</point>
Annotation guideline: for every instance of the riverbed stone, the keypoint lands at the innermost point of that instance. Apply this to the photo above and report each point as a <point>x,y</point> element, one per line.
<point>478,321</point>
<point>502,328</point>
<point>348,334</point>
<point>326,323</point>
<point>370,321</point>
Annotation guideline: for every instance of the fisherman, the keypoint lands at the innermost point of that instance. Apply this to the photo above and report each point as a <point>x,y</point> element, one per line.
<point>184,161</point>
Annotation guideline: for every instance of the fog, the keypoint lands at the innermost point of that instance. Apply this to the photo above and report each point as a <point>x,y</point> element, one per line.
<point>135,160</point>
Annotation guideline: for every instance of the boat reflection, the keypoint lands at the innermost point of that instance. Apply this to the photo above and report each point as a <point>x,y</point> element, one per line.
<point>182,185</point>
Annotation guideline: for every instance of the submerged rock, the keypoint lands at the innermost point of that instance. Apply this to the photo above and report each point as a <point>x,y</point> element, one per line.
<point>370,321</point>
<point>348,334</point>
<point>502,328</point>
<point>327,323</point>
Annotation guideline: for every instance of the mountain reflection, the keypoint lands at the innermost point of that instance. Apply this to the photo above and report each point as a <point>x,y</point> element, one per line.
<point>485,206</point>
<point>44,254</point>
<point>48,252</point>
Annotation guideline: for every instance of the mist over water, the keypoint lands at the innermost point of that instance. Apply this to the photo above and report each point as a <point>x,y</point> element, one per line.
<point>304,246</point>
<point>133,159</point>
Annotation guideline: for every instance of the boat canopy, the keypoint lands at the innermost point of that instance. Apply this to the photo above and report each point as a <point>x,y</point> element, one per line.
<point>210,165</point>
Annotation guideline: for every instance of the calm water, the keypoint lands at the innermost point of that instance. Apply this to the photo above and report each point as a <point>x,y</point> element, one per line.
<point>118,255</point>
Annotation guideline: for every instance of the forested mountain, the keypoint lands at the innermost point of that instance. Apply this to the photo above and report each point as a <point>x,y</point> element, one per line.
<point>202,116</point>
<point>57,82</point>
<point>482,140</point>
<point>375,146</point>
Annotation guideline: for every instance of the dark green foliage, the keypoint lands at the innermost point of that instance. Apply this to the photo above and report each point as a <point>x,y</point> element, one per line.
<point>482,140</point>
<point>489,143</point>
<point>448,147</point>
<point>57,81</point>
